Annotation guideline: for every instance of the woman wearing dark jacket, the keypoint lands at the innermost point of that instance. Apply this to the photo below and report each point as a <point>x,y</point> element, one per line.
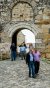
<point>30,62</point>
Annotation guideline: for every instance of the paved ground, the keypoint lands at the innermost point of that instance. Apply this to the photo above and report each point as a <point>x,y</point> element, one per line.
<point>15,75</point>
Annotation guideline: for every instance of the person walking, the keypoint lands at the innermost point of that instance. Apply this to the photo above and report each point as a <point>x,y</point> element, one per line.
<point>23,52</point>
<point>13,52</point>
<point>30,62</point>
<point>37,56</point>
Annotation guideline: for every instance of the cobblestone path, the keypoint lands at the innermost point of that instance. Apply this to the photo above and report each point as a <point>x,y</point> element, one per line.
<point>14,74</point>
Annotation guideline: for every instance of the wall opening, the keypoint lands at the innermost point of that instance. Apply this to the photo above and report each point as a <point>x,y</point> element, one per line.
<point>19,37</point>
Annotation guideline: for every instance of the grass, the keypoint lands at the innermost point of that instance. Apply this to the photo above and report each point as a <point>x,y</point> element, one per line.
<point>46,60</point>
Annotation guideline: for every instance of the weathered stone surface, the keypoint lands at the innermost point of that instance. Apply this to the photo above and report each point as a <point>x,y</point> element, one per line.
<point>20,38</point>
<point>18,14</point>
<point>15,75</point>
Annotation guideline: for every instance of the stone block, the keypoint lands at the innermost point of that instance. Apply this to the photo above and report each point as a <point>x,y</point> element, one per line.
<point>48,55</point>
<point>43,55</point>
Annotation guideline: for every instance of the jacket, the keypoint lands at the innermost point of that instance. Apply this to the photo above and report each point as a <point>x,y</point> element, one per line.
<point>28,58</point>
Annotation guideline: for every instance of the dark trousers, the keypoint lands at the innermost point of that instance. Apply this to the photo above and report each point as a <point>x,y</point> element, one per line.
<point>13,55</point>
<point>37,64</point>
<point>31,69</point>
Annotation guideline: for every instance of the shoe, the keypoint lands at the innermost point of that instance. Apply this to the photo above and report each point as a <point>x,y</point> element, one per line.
<point>34,76</point>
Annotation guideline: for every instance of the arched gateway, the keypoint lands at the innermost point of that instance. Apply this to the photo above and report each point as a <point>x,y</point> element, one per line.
<point>15,28</point>
<point>23,25</point>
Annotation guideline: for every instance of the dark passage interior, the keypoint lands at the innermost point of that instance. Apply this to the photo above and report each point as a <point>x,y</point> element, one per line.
<point>14,39</point>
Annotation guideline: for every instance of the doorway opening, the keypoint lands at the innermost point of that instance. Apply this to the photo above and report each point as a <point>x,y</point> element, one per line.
<point>23,35</point>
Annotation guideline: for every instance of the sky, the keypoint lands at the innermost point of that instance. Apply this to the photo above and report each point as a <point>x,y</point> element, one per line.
<point>29,36</point>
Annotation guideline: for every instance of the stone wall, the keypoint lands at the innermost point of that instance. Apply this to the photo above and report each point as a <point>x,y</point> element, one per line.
<point>20,38</point>
<point>16,14</point>
<point>4,51</point>
<point>22,12</point>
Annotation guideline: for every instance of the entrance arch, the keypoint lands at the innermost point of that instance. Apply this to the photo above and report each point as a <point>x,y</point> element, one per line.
<point>15,35</point>
<point>15,28</point>
<point>22,25</point>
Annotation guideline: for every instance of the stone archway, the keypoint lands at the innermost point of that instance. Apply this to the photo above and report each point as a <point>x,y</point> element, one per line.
<point>22,25</point>
<point>15,37</point>
<point>14,29</point>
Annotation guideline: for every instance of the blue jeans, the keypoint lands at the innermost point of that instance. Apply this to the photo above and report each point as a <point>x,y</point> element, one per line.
<point>31,69</point>
<point>13,55</point>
